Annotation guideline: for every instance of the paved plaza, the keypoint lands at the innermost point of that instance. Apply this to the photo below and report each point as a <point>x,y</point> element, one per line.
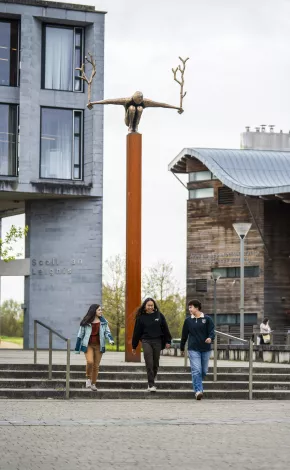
<point>16,356</point>
<point>109,435</point>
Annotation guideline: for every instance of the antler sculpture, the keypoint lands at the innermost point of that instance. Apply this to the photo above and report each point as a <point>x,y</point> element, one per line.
<point>83,75</point>
<point>181,81</point>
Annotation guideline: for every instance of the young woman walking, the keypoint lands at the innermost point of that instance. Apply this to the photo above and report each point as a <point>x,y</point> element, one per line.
<point>93,332</point>
<point>151,328</point>
<point>199,330</point>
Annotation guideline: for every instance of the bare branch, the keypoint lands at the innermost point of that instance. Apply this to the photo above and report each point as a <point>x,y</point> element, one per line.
<point>83,76</point>
<point>181,80</point>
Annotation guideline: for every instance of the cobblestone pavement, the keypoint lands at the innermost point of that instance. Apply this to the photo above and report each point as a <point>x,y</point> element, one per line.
<point>107,435</point>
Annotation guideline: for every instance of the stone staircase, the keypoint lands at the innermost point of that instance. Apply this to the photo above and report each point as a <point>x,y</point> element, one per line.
<point>29,381</point>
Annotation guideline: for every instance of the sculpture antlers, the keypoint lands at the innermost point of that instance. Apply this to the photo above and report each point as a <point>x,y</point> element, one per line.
<point>83,75</point>
<point>181,81</point>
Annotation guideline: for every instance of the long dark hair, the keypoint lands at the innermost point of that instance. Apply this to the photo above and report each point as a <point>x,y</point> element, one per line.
<point>90,316</point>
<point>141,310</point>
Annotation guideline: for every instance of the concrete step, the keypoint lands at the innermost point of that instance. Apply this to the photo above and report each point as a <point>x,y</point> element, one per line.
<point>140,394</point>
<point>162,376</point>
<point>141,367</point>
<point>140,385</point>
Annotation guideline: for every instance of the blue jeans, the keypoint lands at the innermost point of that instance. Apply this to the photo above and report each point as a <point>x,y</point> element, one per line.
<point>199,367</point>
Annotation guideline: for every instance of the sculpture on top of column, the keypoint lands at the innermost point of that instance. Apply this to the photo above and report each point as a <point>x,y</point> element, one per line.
<point>134,104</point>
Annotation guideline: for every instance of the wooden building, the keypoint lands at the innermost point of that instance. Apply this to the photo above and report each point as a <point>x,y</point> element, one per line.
<point>228,186</point>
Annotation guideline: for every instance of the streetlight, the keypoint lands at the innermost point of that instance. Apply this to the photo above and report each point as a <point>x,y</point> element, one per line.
<point>215,276</point>
<point>242,230</point>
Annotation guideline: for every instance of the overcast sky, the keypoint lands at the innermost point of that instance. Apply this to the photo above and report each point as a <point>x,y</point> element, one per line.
<point>238,75</point>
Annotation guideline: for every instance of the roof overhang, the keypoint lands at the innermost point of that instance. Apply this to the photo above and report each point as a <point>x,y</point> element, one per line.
<point>250,172</point>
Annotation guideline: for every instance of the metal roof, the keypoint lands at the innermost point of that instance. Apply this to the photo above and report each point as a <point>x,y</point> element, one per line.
<point>250,172</point>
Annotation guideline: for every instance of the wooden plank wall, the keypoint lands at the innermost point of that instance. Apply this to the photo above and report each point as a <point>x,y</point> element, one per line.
<point>277,269</point>
<point>212,242</point>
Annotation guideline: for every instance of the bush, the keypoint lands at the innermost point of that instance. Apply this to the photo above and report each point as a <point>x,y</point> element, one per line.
<point>11,319</point>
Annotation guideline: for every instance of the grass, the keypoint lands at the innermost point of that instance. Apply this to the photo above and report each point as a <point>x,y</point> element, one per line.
<point>110,347</point>
<point>12,339</point>
<point>19,341</point>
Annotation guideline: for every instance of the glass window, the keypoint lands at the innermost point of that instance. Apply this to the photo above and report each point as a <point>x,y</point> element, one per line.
<point>63,53</point>
<point>200,176</point>
<point>234,319</point>
<point>9,51</point>
<point>61,144</point>
<point>201,193</point>
<point>234,272</point>
<point>8,140</point>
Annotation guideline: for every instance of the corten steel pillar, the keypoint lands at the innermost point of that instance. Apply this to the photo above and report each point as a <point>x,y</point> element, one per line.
<point>133,240</point>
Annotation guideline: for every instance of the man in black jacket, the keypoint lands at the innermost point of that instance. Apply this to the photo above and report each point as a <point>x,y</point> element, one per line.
<point>199,330</point>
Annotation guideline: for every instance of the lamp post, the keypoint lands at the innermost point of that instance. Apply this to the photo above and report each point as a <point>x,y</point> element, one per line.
<point>242,230</point>
<point>215,276</point>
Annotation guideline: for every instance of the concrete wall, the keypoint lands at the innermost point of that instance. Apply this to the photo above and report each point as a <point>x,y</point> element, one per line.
<point>64,244</point>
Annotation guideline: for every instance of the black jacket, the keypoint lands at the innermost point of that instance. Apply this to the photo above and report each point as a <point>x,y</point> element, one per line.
<point>197,330</point>
<point>151,326</point>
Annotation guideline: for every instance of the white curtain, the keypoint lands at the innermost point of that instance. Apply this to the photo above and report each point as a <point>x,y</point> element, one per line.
<point>8,124</point>
<point>59,47</point>
<point>56,143</point>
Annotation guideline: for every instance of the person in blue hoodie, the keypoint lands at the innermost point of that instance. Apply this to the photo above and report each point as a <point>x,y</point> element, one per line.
<point>93,332</point>
<point>198,328</point>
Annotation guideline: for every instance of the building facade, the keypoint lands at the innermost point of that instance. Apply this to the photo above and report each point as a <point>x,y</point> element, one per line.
<point>51,157</point>
<point>246,185</point>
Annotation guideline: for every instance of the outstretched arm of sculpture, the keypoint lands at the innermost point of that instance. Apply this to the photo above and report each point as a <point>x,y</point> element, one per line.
<point>117,101</point>
<point>155,104</point>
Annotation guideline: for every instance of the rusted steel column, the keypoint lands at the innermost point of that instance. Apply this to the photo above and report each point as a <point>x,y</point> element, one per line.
<point>133,239</point>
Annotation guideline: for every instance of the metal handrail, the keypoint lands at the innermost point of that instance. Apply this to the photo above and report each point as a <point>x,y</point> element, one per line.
<point>51,332</point>
<point>250,342</point>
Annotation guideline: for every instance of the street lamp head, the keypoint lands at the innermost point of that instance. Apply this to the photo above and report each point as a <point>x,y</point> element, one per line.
<point>215,275</point>
<point>242,229</point>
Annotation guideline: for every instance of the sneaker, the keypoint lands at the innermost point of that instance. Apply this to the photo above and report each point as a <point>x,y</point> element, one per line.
<point>94,388</point>
<point>152,389</point>
<point>88,383</point>
<point>198,395</point>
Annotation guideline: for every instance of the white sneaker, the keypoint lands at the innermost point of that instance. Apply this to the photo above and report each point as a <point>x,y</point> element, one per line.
<point>94,388</point>
<point>152,389</point>
<point>88,383</point>
<point>198,395</point>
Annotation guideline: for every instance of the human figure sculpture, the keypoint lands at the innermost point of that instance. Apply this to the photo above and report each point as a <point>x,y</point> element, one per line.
<point>134,106</point>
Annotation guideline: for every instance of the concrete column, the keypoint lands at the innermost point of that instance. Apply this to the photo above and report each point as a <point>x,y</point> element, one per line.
<point>64,244</point>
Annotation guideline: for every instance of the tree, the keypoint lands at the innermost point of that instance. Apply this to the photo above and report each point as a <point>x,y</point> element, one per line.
<point>160,284</point>
<point>114,295</point>
<point>7,244</point>
<point>11,318</point>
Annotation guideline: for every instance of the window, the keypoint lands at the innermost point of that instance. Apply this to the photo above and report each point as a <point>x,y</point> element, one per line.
<point>234,319</point>
<point>9,50</point>
<point>201,176</point>
<point>225,196</point>
<point>201,285</point>
<point>63,54</point>
<point>201,193</point>
<point>234,272</point>
<point>61,144</point>
<point>8,140</point>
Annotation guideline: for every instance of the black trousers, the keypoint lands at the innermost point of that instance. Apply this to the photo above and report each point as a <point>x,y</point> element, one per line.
<point>151,350</point>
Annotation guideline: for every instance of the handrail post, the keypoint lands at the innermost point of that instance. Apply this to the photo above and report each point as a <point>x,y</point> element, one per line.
<point>67,369</point>
<point>50,356</point>
<point>250,369</point>
<point>215,359</point>
<point>35,342</point>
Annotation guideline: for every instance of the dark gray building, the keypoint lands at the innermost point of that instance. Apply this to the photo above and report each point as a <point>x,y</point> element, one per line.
<point>51,156</point>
